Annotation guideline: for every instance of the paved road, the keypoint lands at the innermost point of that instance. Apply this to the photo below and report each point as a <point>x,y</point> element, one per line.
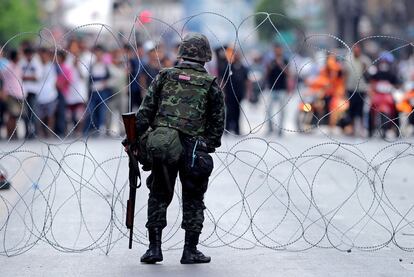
<point>301,205</point>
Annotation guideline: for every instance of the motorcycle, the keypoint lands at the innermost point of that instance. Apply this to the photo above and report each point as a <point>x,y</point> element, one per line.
<point>310,110</point>
<point>383,114</point>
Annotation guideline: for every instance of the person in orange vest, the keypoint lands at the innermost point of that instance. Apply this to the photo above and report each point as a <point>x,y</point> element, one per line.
<point>336,90</point>
<point>330,84</point>
<point>406,105</point>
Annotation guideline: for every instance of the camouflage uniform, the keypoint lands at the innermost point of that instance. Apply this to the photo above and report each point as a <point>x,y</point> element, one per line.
<point>188,99</point>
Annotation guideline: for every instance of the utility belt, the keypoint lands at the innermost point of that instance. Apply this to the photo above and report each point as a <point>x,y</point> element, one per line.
<point>161,145</point>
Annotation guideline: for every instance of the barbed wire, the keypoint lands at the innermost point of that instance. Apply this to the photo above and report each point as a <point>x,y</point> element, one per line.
<point>307,191</point>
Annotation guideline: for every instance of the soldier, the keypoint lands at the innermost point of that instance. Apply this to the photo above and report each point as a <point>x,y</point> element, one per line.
<point>184,109</point>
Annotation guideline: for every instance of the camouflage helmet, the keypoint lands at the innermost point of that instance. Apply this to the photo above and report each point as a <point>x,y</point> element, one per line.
<point>195,46</point>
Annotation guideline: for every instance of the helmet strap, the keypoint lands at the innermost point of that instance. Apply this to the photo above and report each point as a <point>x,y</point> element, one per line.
<point>194,61</point>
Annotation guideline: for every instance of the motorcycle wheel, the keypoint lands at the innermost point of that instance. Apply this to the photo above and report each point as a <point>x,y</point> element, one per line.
<point>383,125</point>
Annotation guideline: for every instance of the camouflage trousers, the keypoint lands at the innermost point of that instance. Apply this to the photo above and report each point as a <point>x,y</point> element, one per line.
<point>161,185</point>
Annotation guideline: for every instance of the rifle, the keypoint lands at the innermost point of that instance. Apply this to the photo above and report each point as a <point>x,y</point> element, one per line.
<point>134,174</point>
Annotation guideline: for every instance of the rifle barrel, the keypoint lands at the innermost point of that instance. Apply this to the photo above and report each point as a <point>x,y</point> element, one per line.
<point>134,174</point>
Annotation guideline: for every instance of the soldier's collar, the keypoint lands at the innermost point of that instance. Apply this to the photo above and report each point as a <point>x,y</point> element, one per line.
<point>192,65</point>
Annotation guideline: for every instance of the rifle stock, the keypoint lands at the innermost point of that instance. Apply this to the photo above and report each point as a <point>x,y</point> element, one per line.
<point>134,174</point>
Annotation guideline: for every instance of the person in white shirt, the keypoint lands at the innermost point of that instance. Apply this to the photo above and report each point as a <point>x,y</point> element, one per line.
<point>119,99</point>
<point>357,88</point>
<point>47,94</point>
<point>31,74</point>
<point>100,92</point>
<point>77,95</point>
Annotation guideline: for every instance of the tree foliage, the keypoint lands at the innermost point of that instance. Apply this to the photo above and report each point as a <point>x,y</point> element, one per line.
<point>277,10</point>
<point>18,16</point>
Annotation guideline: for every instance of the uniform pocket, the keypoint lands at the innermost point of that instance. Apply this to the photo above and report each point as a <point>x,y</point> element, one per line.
<point>198,163</point>
<point>164,144</point>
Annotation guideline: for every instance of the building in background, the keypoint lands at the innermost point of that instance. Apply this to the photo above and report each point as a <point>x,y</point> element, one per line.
<point>349,20</point>
<point>146,19</point>
<point>218,18</point>
<point>80,12</point>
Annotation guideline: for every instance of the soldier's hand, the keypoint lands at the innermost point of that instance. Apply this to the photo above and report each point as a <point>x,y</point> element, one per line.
<point>134,150</point>
<point>125,142</point>
<point>130,146</point>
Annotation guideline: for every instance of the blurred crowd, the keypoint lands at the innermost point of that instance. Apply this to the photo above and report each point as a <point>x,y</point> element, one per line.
<point>345,92</point>
<point>81,91</point>
<point>359,95</point>
<point>75,91</point>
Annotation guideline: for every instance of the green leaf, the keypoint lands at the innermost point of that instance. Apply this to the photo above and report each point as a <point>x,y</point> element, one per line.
<point>272,18</point>
<point>18,16</point>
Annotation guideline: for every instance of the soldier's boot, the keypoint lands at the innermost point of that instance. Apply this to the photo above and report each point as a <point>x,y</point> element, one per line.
<point>190,253</point>
<point>154,253</point>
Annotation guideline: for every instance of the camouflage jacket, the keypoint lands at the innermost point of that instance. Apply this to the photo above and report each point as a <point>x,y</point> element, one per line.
<point>187,98</point>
